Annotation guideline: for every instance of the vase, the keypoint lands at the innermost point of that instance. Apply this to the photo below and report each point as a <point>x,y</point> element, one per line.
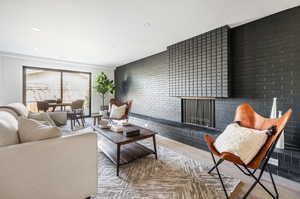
<point>280,142</point>
<point>274,109</point>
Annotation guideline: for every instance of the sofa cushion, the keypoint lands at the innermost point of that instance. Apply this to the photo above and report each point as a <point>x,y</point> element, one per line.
<point>33,130</point>
<point>240,141</point>
<point>59,118</point>
<point>8,129</point>
<point>117,112</point>
<point>42,117</point>
<point>10,110</point>
<point>19,108</point>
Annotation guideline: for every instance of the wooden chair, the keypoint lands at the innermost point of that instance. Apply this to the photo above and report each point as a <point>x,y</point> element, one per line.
<point>42,106</point>
<point>77,113</point>
<point>247,117</point>
<point>117,103</point>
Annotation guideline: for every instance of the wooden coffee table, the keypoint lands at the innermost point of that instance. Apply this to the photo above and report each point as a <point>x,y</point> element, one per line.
<point>130,150</point>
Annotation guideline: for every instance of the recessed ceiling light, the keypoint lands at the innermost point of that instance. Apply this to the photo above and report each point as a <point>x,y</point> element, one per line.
<point>147,24</point>
<point>35,49</point>
<point>36,29</point>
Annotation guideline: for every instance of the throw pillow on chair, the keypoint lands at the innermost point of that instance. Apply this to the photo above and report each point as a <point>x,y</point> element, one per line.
<point>117,112</point>
<point>241,141</point>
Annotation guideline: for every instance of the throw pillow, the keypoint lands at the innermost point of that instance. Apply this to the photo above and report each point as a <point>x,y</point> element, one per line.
<point>42,117</point>
<point>117,112</point>
<point>8,129</point>
<point>33,130</point>
<point>240,141</point>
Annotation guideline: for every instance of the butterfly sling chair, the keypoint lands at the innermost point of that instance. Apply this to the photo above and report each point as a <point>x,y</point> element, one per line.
<point>247,117</point>
<point>117,103</point>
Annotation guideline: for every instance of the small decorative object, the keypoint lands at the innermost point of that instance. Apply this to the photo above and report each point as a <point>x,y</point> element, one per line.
<point>103,124</point>
<point>103,86</point>
<point>125,123</point>
<point>104,113</point>
<point>117,128</point>
<point>274,108</point>
<point>131,131</point>
<point>280,143</point>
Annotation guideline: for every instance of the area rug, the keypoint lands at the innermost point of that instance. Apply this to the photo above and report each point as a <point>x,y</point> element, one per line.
<point>172,176</point>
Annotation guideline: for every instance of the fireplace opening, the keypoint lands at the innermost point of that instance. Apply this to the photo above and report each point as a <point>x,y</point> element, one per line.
<point>199,112</point>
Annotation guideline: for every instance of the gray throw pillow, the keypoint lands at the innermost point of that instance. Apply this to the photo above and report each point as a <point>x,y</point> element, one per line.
<point>42,117</point>
<point>33,130</point>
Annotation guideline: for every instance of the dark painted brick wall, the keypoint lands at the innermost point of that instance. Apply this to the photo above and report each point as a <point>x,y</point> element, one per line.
<point>265,58</point>
<point>146,83</point>
<point>266,64</point>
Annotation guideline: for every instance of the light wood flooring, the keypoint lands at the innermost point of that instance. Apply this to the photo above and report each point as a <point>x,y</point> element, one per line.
<point>287,189</point>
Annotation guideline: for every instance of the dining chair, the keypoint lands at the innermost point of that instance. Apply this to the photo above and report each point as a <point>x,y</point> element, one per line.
<point>248,118</point>
<point>42,106</point>
<point>77,113</point>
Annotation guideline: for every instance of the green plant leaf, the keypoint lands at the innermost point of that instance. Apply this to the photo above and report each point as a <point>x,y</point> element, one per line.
<point>104,85</point>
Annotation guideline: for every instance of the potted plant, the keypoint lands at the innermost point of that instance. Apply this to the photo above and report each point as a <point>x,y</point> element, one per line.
<point>103,85</point>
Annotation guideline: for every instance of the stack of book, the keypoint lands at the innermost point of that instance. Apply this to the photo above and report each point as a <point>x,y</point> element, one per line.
<point>131,131</point>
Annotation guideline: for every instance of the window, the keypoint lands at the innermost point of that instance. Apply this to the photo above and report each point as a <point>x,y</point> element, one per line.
<point>41,84</point>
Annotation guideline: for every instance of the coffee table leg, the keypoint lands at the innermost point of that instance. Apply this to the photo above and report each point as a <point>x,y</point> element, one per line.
<point>71,122</point>
<point>118,158</point>
<point>154,145</point>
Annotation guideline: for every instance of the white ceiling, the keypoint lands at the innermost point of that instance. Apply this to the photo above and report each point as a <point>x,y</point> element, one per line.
<point>115,32</point>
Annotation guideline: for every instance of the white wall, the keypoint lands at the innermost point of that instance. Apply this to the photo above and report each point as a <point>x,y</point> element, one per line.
<point>1,82</point>
<point>11,75</point>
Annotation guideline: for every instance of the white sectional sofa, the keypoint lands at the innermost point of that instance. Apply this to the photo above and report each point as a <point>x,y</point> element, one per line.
<point>57,168</point>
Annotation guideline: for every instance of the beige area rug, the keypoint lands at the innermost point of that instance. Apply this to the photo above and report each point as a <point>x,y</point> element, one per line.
<point>172,176</point>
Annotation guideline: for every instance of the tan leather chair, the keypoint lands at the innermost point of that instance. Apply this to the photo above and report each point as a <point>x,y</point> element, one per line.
<point>247,117</point>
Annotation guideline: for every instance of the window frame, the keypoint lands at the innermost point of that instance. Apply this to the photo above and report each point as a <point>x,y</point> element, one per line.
<point>61,71</point>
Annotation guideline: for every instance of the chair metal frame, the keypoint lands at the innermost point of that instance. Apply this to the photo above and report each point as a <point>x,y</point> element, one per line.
<point>263,166</point>
<point>260,161</point>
